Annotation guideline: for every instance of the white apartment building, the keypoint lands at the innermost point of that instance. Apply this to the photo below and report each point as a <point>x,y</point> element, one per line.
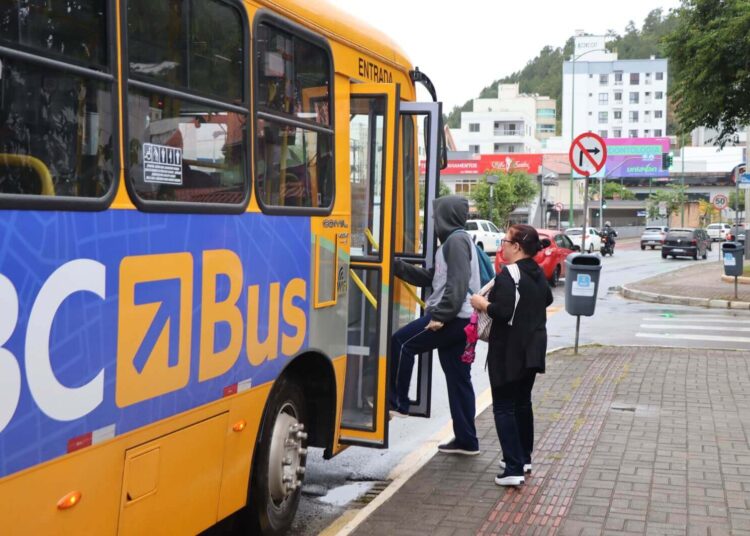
<point>613,98</point>
<point>511,123</point>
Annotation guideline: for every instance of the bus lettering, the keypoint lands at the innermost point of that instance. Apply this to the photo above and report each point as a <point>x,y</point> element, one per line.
<point>369,70</point>
<point>53,398</point>
<point>258,351</point>
<point>10,373</point>
<point>294,316</point>
<point>220,263</point>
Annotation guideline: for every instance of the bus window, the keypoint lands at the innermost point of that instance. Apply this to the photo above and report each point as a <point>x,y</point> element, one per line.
<point>294,136</point>
<point>56,122</point>
<point>412,237</point>
<point>187,133</point>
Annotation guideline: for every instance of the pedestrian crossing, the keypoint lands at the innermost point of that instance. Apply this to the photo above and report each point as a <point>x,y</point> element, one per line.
<point>713,327</point>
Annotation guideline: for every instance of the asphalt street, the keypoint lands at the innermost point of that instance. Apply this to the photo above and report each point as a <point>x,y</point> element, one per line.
<point>343,483</point>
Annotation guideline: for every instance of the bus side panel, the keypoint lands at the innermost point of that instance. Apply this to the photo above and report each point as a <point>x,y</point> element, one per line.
<point>126,319</point>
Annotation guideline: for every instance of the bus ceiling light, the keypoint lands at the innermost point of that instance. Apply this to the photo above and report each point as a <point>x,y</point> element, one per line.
<point>69,500</point>
<point>239,425</point>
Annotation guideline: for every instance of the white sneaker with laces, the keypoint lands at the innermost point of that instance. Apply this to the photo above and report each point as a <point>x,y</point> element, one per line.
<point>526,466</point>
<point>501,480</point>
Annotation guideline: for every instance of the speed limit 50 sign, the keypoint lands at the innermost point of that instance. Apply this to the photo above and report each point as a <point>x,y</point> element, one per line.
<point>720,201</point>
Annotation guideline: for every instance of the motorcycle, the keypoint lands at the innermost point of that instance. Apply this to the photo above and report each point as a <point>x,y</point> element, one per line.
<point>608,245</point>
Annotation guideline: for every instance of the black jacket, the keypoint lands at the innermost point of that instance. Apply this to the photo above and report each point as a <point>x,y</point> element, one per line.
<point>517,350</point>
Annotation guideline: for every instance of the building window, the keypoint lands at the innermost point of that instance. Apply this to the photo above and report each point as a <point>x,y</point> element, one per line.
<point>511,148</point>
<point>633,133</point>
<point>635,79</point>
<point>657,132</point>
<point>474,149</point>
<point>603,117</point>
<point>658,114</point>
<point>545,112</point>
<point>633,116</point>
<point>660,76</point>
<point>545,129</point>
<point>618,96</point>
<point>618,114</point>
<point>659,95</point>
<point>603,133</point>
<point>603,79</point>
<point>498,148</point>
<point>647,116</point>
<point>603,98</point>
<point>646,133</point>
<point>617,133</point>
<point>618,78</point>
<point>633,97</point>
<point>473,127</point>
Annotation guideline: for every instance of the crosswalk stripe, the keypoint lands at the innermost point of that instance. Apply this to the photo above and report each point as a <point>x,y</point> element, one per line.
<point>692,327</point>
<point>689,337</point>
<point>675,319</point>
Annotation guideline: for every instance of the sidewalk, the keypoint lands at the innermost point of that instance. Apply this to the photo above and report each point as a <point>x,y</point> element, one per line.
<point>698,284</point>
<point>628,441</point>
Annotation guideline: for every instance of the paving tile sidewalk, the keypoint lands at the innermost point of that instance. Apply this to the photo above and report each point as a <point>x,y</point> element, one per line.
<point>628,441</point>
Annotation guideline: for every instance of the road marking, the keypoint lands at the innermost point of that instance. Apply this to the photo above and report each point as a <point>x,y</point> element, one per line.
<point>687,336</point>
<point>677,319</point>
<point>691,327</point>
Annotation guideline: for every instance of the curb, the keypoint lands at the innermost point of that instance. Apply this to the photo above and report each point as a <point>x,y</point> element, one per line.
<point>652,297</point>
<point>742,280</point>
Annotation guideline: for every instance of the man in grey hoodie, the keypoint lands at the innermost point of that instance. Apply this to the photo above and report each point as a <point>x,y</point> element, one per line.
<point>454,278</point>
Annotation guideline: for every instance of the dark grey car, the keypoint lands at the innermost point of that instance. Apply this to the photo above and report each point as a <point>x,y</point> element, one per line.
<point>686,243</point>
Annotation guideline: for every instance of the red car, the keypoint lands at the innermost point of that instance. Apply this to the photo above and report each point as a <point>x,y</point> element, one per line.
<point>551,258</point>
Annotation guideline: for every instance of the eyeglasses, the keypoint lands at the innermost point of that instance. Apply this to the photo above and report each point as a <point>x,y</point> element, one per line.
<point>506,241</point>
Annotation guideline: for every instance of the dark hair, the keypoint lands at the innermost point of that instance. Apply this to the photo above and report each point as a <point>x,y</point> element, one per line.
<point>526,237</point>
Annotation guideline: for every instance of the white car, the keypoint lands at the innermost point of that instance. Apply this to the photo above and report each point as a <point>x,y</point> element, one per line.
<point>593,239</point>
<point>718,231</point>
<point>485,234</point>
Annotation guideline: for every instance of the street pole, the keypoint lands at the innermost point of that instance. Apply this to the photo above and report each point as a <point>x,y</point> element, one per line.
<point>682,179</point>
<point>541,200</point>
<point>601,202</point>
<point>585,212</point>
<point>747,195</point>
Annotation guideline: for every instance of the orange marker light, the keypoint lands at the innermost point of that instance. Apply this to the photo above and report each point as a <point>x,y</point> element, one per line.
<point>69,500</point>
<point>239,425</point>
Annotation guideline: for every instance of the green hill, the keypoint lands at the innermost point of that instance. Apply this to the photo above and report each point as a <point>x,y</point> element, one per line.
<point>543,74</point>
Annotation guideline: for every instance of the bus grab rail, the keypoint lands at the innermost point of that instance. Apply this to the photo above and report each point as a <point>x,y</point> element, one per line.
<point>414,294</point>
<point>45,177</point>
<point>361,286</point>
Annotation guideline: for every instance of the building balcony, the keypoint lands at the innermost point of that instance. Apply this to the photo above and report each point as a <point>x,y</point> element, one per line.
<point>506,132</point>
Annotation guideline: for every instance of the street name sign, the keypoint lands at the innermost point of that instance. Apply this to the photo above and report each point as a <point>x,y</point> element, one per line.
<point>744,181</point>
<point>588,154</point>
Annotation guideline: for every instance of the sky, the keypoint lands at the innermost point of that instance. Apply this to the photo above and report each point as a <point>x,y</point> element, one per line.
<point>466,45</point>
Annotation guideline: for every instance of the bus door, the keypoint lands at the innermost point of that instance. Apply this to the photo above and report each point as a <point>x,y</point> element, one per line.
<point>375,127</point>
<point>416,241</point>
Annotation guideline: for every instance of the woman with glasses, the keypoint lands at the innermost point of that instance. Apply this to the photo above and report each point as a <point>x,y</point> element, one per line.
<point>517,348</point>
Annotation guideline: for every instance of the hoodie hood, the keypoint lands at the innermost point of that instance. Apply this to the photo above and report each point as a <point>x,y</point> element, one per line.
<point>451,213</point>
<point>531,268</point>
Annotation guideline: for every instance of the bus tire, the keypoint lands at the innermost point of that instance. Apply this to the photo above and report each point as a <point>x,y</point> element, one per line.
<point>280,461</point>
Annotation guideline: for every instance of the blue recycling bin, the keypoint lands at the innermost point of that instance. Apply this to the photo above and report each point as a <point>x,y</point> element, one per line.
<point>732,254</point>
<point>582,283</point>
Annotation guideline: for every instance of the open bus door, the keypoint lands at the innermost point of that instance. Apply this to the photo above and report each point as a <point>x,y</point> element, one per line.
<point>380,169</point>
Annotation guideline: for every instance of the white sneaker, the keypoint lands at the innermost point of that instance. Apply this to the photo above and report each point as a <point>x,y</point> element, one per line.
<point>526,467</point>
<point>398,414</point>
<point>509,480</point>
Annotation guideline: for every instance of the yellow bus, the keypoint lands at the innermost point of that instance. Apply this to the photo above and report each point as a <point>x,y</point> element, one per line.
<point>200,204</point>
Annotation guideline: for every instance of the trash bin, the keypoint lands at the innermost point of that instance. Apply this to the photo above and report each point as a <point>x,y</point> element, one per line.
<point>581,283</point>
<point>732,253</point>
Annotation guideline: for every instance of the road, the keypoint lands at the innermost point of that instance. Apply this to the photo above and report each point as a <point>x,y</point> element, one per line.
<point>333,486</point>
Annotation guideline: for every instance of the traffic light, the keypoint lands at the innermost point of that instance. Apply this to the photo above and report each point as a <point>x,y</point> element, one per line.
<point>666,160</point>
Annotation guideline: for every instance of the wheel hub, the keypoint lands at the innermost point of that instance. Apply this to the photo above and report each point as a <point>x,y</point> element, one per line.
<point>286,464</point>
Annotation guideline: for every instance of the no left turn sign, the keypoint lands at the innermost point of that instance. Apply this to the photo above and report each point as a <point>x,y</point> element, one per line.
<point>588,153</point>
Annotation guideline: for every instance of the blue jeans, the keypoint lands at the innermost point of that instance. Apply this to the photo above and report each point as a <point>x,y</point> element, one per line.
<point>449,341</point>
<point>514,422</point>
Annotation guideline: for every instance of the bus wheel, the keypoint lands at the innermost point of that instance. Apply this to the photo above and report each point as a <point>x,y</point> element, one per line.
<point>280,461</point>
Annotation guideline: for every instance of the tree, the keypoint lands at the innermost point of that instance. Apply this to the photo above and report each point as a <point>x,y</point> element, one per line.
<point>443,189</point>
<point>707,211</point>
<point>612,190</point>
<point>674,195</point>
<point>513,190</point>
<point>708,52</point>
<point>732,200</point>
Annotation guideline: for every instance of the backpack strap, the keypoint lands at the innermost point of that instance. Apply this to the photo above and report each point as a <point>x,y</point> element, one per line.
<point>515,273</point>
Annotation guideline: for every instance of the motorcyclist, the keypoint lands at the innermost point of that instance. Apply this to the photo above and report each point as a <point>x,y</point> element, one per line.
<point>609,232</point>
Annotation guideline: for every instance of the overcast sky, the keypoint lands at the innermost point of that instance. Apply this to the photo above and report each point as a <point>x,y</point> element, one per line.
<point>464,46</point>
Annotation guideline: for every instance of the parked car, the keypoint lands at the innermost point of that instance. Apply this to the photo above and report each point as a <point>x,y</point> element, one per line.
<point>654,236</point>
<point>686,243</point>
<point>552,258</point>
<point>737,233</point>
<point>718,231</point>
<point>485,234</point>
<point>593,239</point>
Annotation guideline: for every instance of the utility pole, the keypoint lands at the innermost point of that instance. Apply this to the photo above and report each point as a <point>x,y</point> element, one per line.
<point>747,194</point>
<point>682,179</point>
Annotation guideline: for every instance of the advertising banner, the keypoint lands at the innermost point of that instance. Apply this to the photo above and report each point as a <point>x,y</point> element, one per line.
<point>528,163</point>
<point>636,157</point>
